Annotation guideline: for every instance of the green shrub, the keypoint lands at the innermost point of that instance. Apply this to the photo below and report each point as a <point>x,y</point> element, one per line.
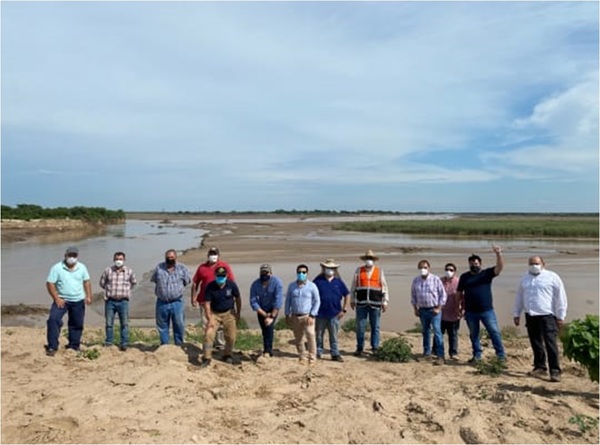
<point>416,329</point>
<point>242,323</point>
<point>281,324</point>
<point>493,366</point>
<point>247,341</point>
<point>580,343</point>
<point>584,422</point>
<point>396,349</point>
<point>350,325</point>
<point>90,354</point>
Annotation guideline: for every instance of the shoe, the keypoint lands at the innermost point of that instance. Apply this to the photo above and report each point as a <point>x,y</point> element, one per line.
<point>302,361</point>
<point>205,362</point>
<point>319,356</point>
<point>337,358</point>
<point>122,348</point>
<point>554,376</point>
<point>50,352</point>
<point>473,360</point>
<point>108,345</point>
<point>374,350</point>
<point>453,358</point>
<point>228,359</point>
<point>537,372</point>
<point>312,363</point>
<point>358,353</point>
<point>439,361</point>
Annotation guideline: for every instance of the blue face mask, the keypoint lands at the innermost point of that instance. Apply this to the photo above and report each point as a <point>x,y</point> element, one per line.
<point>301,276</point>
<point>220,280</point>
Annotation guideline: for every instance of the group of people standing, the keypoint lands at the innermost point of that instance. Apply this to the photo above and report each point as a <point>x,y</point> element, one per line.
<point>313,307</point>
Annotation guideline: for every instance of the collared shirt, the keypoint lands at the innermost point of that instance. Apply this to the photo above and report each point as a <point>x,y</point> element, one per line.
<point>170,283</point>
<point>302,299</point>
<point>384,286</point>
<point>69,282</point>
<point>117,282</point>
<point>267,297</point>
<point>221,299</point>
<point>453,309</point>
<point>206,274</point>
<point>331,294</point>
<point>428,292</point>
<point>542,294</point>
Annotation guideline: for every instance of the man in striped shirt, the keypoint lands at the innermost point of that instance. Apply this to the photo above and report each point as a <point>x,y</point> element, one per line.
<point>117,281</point>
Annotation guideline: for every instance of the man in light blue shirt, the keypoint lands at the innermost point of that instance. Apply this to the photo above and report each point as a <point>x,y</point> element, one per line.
<point>302,303</point>
<point>68,284</point>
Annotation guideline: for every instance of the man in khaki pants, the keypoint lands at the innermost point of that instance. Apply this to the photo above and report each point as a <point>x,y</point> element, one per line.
<point>302,303</point>
<point>222,304</point>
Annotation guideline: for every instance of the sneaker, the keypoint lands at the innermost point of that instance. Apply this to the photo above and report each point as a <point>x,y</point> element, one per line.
<point>358,353</point>
<point>205,362</point>
<point>537,372</point>
<point>312,363</point>
<point>228,359</point>
<point>439,361</point>
<point>554,376</point>
<point>337,358</point>
<point>474,360</point>
<point>453,358</point>
<point>50,352</point>
<point>123,348</point>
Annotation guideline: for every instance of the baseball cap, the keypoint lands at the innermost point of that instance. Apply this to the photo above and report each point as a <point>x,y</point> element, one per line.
<point>221,271</point>
<point>213,251</point>
<point>265,268</point>
<point>72,249</point>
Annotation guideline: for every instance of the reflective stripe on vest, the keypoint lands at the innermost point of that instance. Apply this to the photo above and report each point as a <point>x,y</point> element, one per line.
<point>368,289</point>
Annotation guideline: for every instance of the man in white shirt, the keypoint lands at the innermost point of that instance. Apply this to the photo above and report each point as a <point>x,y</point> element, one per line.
<point>541,294</point>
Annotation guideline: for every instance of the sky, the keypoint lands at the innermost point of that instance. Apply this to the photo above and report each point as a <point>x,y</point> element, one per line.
<point>204,106</point>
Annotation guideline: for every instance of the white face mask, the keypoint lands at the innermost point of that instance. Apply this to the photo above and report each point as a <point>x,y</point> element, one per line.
<point>424,272</point>
<point>369,263</point>
<point>449,273</point>
<point>71,261</point>
<point>213,258</point>
<point>535,269</point>
<point>119,263</point>
<point>329,272</point>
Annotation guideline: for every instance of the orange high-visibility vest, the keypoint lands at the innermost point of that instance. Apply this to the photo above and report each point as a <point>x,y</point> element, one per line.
<point>369,290</point>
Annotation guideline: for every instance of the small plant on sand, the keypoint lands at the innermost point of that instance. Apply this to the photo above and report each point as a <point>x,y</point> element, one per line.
<point>90,354</point>
<point>580,343</point>
<point>246,341</point>
<point>350,325</point>
<point>242,323</point>
<point>416,329</point>
<point>493,366</point>
<point>584,422</point>
<point>396,349</point>
<point>281,324</point>
<point>150,337</point>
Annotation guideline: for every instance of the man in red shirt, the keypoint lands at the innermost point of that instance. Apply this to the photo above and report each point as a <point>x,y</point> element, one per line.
<point>204,275</point>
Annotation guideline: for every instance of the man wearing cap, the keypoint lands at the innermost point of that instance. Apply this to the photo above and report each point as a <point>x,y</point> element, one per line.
<point>170,278</point>
<point>68,284</point>
<point>204,275</point>
<point>302,302</point>
<point>369,296</point>
<point>334,305</point>
<point>222,305</point>
<point>266,299</point>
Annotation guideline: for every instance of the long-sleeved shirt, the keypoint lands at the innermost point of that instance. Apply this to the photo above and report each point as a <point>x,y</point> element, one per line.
<point>170,283</point>
<point>117,282</point>
<point>428,292</point>
<point>267,297</point>
<point>542,294</point>
<point>454,307</point>
<point>302,299</point>
<point>384,286</point>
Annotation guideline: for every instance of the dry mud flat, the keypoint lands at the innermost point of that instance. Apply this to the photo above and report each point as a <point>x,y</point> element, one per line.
<point>149,395</point>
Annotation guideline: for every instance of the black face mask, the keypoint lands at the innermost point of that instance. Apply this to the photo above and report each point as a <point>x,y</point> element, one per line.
<point>475,269</point>
<point>170,261</point>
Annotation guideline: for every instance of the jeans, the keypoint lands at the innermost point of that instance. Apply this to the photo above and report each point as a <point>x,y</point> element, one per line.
<point>542,330</point>
<point>374,314</point>
<point>488,318</point>
<point>166,312</point>
<point>111,308</point>
<point>76,311</point>
<point>268,332</point>
<point>451,327</point>
<point>332,325</point>
<point>430,320</point>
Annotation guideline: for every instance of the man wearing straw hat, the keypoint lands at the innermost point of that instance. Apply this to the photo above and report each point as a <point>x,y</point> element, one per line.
<point>369,299</point>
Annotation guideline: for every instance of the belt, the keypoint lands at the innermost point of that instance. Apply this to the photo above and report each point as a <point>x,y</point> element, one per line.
<point>299,315</point>
<point>427,308</point>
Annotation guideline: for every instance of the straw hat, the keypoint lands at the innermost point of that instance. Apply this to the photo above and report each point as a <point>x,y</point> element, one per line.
<point>369,255</point>
<point>330,263</point>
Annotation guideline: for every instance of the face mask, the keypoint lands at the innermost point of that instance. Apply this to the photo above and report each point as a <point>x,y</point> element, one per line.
<point>475,269</point>
<point>369,263</point>
<point>119,263</point>
<point>265,277</point>
<point>535,269</point>
<point>71,261</point>
<point>170,261</point>
<point>449,273</point>
<point>213,258</point>
<point>301,276</point>
<point>329,272</point>
<point>220,280</point>
<point>424,272</point>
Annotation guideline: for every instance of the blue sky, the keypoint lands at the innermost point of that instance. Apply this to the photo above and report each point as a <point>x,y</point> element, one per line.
<point>404,106</point>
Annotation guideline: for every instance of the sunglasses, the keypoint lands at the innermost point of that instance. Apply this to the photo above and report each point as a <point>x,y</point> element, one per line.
<point>302,271</point>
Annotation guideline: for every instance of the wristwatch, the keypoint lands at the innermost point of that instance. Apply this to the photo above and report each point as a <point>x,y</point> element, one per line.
<point>344,310</point>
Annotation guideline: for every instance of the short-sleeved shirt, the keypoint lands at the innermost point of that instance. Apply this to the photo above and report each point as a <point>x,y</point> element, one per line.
<point>223,298</point>
<point>477,290</point>
<point>331,294</point>
<point>170,283</point>
<point>69,282</point>
<point>205,274</point>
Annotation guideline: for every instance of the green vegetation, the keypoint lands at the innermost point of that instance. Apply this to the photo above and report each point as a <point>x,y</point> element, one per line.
<point>585,423</point>
<point>395,350</point>
<point>492,366</point>
<point>350,325</point>
<point>281,324</point>
<point>31,211</point>
<point>580,343</point>
<point>242,323</point>
<point>416,329</point>
<point>90,354</point>
<point>247,341</point>
<point>555,226</point>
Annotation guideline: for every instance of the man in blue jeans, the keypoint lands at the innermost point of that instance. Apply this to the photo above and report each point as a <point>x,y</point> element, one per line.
<point>475,286</point>
<point>117,281</point>
<point>68,284</point>
<point>266,299</point>
<point>369,296</point>
<point>170,278</point>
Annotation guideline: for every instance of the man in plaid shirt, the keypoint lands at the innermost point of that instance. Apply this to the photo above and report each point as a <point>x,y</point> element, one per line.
<point>117,282</point>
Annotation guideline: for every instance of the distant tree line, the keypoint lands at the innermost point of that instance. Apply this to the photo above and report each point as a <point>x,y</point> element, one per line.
<point>92,214</point>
